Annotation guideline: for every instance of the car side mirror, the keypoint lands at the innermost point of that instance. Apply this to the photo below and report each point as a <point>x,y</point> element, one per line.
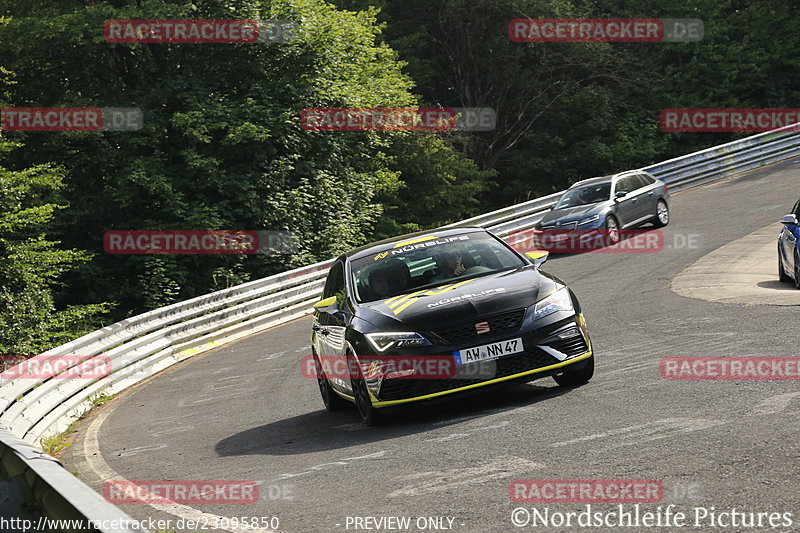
<point>328,305</point>
<point>537,258</point>
<point>621,194</point>
<point>789,220</point>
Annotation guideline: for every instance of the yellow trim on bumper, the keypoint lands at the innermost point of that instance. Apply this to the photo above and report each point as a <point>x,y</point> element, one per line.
<point>345,396</point>
<point>484,383</point>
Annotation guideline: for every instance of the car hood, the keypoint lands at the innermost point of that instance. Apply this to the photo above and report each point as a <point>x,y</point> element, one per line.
<point>572,214</point>
<point>457,302</point>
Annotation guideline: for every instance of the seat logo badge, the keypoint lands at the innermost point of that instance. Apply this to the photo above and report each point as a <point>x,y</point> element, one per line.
<point>482,327</point>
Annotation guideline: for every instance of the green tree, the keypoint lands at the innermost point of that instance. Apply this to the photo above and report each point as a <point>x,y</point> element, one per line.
<point>31,265</point>
<point>568,111</point>
<point>221,146</point>
<point>437,185</point>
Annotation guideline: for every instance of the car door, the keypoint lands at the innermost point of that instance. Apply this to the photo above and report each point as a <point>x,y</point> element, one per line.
<point>641,200</point>
<point>648,194</point>
<point>331,328</point>
<point>787,240</point>
<point>319,326</point>
<point>627,207</point>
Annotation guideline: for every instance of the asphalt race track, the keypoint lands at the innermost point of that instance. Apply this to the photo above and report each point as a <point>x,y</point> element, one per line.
<point>244,412</point>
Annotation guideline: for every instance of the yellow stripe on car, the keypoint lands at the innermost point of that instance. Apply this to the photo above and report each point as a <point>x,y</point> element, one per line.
<point>399,303</point>
<point>397,300</point>
<point>415,241</point>
<point>483,383</point>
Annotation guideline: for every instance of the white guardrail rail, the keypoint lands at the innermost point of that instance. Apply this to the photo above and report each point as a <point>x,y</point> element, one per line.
<point>140,346</point>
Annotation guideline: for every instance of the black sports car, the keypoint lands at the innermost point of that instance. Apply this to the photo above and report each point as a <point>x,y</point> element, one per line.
<point>430,314</point>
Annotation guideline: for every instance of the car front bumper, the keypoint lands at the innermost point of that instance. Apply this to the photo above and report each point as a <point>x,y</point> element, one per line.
<point>543,355</point>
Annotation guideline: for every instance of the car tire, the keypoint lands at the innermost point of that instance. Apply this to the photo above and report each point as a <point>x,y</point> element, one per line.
<point>332,401</point>
<point>781,272</point>
<point>370,416</point>
<point>661,217</point>
<point>612,230</point>
<point>574,378</point>
<point>797,270</point>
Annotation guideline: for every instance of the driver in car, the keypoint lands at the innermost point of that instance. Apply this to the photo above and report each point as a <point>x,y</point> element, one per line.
<point>391,279</point>
<point>449,265</point>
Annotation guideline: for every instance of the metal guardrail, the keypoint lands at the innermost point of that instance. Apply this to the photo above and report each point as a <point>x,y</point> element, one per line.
<point>680,173</point>
<point>145,344</point>
<point>37,491</point>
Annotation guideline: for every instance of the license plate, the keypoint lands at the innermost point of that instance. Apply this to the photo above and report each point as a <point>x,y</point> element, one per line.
<point>488,351</point>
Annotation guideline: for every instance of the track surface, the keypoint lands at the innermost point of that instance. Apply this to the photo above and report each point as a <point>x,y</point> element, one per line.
<point>742,271</point>
<point>244,412</point>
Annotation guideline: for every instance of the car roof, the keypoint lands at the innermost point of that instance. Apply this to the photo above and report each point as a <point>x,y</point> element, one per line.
<point>603,179</point>
<point>592,181</point>
<point>375,247</point>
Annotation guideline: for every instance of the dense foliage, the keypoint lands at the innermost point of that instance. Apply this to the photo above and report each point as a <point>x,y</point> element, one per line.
<point>222,146</point>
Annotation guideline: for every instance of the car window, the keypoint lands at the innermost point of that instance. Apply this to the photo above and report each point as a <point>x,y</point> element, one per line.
<point>418,264</point>
<point>627,184</point>
<point>637,182</point>
<point>584,195</point>
<point>646,179</point>
<point>334,286</point>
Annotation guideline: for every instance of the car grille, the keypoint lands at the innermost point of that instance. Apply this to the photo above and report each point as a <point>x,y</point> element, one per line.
<point>398,389</point>
<point>466,332</point>
<point>565,225</point>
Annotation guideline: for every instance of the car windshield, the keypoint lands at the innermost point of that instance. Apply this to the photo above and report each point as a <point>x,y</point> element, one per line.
<point>587,194</point>
<point>428,262</point>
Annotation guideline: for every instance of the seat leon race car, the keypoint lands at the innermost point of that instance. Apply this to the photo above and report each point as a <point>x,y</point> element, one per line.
<point>428,315</point>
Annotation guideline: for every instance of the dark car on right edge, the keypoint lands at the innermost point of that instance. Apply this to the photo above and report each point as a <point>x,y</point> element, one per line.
<point>788,248</point>
<point>609,204</point>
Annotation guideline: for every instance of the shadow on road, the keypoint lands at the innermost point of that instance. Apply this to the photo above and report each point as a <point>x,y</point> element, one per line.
<point>321,431</point>
<point>776,285</point>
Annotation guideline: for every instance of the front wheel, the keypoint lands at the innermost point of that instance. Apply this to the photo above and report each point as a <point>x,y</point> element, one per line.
<point>332,401</point>
<point>797,270</point>
<point>662,214</point>
<point>781,271</point>
<point>370,416</point>
<point>574,378</point>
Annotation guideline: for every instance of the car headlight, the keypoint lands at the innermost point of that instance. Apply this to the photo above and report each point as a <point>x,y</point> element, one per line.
<point>593,218</point>
<point>558,301</point>
<point>396,339</point>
